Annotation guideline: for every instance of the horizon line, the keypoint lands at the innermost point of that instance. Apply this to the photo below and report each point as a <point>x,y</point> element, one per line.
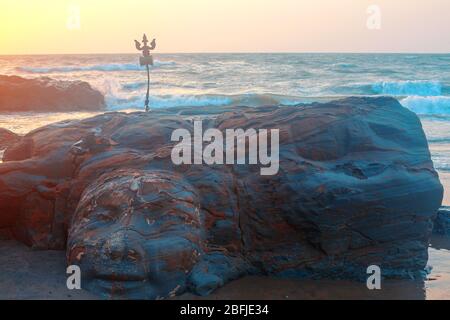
<point>231,52</point>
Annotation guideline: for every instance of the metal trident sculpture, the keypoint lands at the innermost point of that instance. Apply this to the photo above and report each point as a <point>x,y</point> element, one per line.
<point>146,60</point>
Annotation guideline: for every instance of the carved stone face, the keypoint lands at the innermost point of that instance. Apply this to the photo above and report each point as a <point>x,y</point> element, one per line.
<point>136,234</point>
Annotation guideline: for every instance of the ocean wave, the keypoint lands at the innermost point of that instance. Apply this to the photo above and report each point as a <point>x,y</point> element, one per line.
<point>408,88</point>
<point>98,67</point>
<point>428,105</point>
<point>420,105</point>
<point>345,65</point>
<point>170,101</point>
<point>345,68</point>
<point>133,86</point>
<point>189,101</point>
<point>439,140</point>
<point>441,162</point>
<point>351,89</point>
<point>396,89</point>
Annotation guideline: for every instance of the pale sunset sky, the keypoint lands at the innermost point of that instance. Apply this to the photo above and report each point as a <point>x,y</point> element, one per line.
<point>110,26</point>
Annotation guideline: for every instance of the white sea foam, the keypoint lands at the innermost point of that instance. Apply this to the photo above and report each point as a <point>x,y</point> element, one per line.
<point>170,101</point>
<point>428,105</point>
<point>97,67</point>
<point>117,101</point>
<point>439,105</point>
<point>408,88</point>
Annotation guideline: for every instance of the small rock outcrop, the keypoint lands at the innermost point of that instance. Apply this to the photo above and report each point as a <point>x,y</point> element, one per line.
<point>442,222</point>
<point>356,187</point>
<point>47,95</point>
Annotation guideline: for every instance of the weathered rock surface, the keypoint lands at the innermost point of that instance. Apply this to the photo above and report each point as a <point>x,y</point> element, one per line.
<point>7,138</point>
<point>356,187</point>
<point>45,94</point>
<point>442,222</point>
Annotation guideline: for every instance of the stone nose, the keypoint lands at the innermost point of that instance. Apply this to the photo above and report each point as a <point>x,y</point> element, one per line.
<point>123,245</point>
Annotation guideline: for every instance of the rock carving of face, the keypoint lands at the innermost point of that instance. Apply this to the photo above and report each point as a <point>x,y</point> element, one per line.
<point>136,233</point>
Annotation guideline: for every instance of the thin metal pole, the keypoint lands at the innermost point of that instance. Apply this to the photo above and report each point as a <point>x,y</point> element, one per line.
<point>147,100</point>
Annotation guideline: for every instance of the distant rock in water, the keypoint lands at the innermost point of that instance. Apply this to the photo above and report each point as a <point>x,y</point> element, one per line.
<point>7,138</point>
<point>442,222</point>
<point>47,95</point>
<point>356,187</point>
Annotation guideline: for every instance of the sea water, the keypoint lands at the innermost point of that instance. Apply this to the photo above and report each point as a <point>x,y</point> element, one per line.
<point>422,82</point>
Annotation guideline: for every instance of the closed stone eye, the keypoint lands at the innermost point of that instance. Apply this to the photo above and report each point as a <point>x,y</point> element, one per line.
<point>105,217</point>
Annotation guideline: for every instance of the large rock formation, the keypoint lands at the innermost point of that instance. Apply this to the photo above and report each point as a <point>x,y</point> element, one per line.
<point>45,94</point>
<point>356,187</point>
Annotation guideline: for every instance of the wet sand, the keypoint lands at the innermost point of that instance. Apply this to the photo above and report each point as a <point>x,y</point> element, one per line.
<point>445,180</point>
<point>437,286</point>
<point>28,274</point>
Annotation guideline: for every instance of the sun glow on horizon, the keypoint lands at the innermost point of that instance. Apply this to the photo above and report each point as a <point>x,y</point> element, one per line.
<point>41,26</point>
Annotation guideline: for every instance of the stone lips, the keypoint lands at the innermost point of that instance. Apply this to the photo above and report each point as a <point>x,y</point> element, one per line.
<point>356,187</point>
<point>47,95</point>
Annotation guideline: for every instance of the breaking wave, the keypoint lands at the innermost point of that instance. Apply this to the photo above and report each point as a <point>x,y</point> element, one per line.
<point>420,105</point>
<point>428,105</point>
<point>408,88</point>
<point>170,101</point>
<point>98,67</point>
<point>117,98</point>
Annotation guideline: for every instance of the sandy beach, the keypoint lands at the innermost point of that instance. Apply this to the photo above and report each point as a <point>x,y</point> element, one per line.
<point>445,180</point>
